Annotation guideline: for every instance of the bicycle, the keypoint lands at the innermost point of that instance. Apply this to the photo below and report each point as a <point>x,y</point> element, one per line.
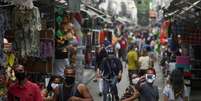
<point>110,96</point>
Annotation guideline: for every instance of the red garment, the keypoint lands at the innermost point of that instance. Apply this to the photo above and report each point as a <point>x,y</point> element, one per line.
<point>78,17</point>
<point>29,92</point>
<point>123,43</point>
<point>164,31</point>
<point>102,36</point>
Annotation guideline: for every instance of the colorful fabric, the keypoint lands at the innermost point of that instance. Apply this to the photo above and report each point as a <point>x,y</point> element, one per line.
<point>26,24</point>
<point>182,66</point>
<point>164,31</point>
<point>183,60</point>
<point>123,43</point>
<point>46,48</point>
<point>102,36</point>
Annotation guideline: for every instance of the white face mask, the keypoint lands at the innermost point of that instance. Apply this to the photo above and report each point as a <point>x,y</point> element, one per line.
<point>54,85</point>
<point>135,81</point>
<point>150,78</point>
<point>180,50</point>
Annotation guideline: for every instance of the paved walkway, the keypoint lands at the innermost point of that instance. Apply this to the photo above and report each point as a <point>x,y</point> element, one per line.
<point>89,75</point>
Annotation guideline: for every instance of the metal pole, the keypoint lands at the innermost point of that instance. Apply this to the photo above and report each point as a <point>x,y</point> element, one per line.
<point>80,58</point>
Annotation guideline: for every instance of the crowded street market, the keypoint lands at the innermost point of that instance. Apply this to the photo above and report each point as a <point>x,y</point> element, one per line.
<point>100,50</point>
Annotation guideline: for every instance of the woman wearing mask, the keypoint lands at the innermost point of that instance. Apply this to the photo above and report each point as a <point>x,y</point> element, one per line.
<point>131,94</point>
<point>53,83</point>
<point>175,90</point>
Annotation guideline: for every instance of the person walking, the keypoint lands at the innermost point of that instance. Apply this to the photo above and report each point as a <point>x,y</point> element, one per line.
<point>123,48</point>
<point>132,59</point>
<point>71,91</point>
<point>99,58</point>
<point>23,89</point>
<point>175,89</point>
<point>144,62</point>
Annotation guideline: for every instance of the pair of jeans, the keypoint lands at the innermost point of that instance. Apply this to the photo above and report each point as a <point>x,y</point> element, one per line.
<point>113,89</point>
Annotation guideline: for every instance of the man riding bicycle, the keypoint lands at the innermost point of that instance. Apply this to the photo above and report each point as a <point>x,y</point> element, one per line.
<point>111,71</point>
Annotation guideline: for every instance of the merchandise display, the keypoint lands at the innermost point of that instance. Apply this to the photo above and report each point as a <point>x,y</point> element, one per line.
<point>27,25</point>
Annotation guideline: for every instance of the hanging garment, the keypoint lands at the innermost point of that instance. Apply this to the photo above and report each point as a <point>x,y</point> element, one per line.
<point>74,5</point>
<point>23,3</point>
<point>4,26</point>
<point>27,25</point>
<point>3,59</point>
<point>10,59</point>
<point>102,36</point>
<point>46,48</point>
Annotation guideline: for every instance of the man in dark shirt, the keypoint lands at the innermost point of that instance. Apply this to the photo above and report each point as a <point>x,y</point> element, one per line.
<point>70,91</point>
<point>111,71</point>
<point>145,89</point>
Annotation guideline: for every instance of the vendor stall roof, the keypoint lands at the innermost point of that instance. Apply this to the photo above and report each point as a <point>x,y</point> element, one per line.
<point>94,14</point>
<point>185,10</point>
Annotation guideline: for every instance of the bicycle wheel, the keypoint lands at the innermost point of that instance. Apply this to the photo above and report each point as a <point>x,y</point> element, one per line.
<point>109,97</point>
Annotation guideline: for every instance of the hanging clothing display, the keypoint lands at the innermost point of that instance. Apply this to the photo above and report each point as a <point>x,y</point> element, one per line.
<point>102,36</point>
<point>4,26</point>
<point>27,25</point>
<point>24,3</point>
<point>164,31</point>
<point>74,5</point>
<point>143,12</point>
<point>46,48</point>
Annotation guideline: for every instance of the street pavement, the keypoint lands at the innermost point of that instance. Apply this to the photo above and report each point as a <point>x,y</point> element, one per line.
<point>89,75</point>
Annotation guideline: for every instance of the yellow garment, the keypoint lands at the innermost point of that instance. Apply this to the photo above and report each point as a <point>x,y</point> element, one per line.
<point>10,59</point>
<point>132,60</point>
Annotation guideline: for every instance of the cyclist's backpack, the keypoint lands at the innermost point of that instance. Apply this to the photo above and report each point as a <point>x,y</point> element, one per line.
<point>114,66</point>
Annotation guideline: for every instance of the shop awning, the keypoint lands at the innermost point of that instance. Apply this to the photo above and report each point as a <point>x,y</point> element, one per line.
<point>185,11</point>
<point>94,14</point>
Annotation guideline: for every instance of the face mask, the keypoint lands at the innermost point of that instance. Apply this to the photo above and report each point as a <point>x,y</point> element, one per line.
<point>150,78</point>
<point>20,75</point>
<point>180,50</point>
<point>54,85</point>
<point>135,81</point>
<point>69,80</point>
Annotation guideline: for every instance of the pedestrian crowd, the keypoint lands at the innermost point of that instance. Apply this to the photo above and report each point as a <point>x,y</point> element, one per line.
<point>139,56</point>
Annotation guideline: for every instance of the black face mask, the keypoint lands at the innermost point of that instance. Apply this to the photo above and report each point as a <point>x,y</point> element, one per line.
<point>20,75</point>
<point>69,80</point>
